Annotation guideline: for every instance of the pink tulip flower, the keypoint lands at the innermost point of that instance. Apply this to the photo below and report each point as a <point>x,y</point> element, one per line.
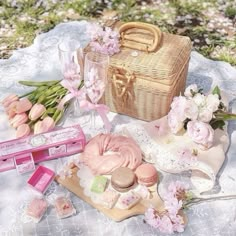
<point>9,99</point>
<point>22,131</point>
<point>23,105</point>
<point>45,125</point>
<point>36,111</point>
<point>11,109</point>
<point>18,120</point>
<point>38,127</point>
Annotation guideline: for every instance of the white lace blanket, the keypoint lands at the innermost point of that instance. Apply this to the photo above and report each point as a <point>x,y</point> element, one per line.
<point>40,62</point>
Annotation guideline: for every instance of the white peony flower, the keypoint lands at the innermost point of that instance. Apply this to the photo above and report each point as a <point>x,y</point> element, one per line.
<point>190,89</point>
<point>212,102</point>
<point>200,100</point>
<point>205,115</point>
<point>191,110</point>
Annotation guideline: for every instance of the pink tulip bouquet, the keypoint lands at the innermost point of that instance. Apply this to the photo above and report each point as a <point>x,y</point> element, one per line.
<point>37,111</point>
<point>199,115</point>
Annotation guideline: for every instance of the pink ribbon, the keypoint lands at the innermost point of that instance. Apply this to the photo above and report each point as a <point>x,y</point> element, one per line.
<point>101,109</point>
<point>74,92</point>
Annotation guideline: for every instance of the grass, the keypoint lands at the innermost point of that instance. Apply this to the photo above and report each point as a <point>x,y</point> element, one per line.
<point>27,18</point>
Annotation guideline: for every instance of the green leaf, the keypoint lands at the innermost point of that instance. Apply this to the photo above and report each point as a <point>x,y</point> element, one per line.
<point>217,124</point>
<point>216,90</point>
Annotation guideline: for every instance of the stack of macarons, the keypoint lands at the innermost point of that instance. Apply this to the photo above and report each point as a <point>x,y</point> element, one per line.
<point>123,179</point>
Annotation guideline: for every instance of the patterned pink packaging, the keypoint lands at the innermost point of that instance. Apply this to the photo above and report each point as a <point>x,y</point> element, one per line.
<point>41,179</point>
<point>22,153</point>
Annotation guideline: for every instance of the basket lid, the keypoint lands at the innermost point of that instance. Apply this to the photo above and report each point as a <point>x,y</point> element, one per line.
<point>165,63</point>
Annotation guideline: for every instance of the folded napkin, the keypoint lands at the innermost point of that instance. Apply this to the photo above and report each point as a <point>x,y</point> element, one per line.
<point>173,153</point>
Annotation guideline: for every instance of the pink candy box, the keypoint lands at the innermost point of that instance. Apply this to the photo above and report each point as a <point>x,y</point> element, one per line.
<point>41,147</point>
<point>41,179</point>
<point>24,163</point>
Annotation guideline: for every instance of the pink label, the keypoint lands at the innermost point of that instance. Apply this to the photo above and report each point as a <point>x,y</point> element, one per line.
<point>24,163</point>
<point>57,150</point>
<point>25,168</point>
<point>44,141</point>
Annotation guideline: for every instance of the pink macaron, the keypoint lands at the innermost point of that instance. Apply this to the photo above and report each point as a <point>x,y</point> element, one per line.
<point>146,174</point>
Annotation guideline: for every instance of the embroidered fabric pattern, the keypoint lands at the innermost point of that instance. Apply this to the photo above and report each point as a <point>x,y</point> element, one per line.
<point>166,161</point>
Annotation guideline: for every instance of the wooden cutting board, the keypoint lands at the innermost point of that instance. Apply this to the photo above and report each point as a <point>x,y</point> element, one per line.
<point>116,214</point>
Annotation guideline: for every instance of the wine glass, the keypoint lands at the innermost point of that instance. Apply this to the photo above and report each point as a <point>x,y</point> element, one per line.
<point>95,78</point>
<point>71,59</point>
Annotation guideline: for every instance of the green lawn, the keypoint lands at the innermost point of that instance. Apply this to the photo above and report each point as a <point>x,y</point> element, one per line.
<point>211,24</point>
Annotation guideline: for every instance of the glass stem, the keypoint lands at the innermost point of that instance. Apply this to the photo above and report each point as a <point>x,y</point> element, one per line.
<point>76,107</point>
<point>93,125</point>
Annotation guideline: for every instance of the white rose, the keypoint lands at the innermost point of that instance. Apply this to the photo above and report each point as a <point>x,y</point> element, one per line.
<point>190,89</point>
<point>212,102</point>
<point>191,110</point>
<point>200,100</point>
<point>205,115</point>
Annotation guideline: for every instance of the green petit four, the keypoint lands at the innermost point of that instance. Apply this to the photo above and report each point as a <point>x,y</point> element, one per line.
<point>99,184</point>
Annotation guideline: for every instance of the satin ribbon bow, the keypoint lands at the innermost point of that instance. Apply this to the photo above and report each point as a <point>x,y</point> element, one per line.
<point>72,87</point>
<point>101,109</point>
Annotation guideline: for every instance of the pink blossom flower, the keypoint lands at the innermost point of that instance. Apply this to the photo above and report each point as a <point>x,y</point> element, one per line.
<point>23,131</point>
<point>166,225</point>
<point>178,223</point>
<point>201,133</point>
<point>18,120</point>
<point>23,105</point>
<point>173,205</point>
<point>176,187</point>
<point>36,111</point>
<point>178,107</point>
<point>152,218</point>
<point>191,90</point>
<point>94,30</point>
<point>103,40</point>
<point>174,123</point>
<point>212,102</point>
<point>9,99</point>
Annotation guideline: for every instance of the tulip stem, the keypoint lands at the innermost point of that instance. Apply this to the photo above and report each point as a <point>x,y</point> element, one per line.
<point>38,84</point>
<point>26,94</point>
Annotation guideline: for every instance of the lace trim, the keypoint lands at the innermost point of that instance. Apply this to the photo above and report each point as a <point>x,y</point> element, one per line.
<point>166,161</point>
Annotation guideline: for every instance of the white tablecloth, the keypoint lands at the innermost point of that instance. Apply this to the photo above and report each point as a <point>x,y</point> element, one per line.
<point>40,62</point>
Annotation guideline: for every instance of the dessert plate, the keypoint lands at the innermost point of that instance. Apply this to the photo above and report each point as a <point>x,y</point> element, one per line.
<point>116,214</point>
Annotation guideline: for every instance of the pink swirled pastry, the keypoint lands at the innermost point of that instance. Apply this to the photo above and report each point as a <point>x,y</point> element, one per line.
<point>106,152</point>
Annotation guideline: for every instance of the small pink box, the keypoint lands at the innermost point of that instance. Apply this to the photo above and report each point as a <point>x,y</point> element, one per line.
<point>24,163</point>
<point>41,179</point>
<point>16,153</point>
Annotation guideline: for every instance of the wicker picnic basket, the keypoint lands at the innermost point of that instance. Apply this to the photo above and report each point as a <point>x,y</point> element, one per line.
<point>148,72</point>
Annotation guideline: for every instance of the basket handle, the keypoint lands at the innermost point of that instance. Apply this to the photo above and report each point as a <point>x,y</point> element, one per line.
<point>140,43</point>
